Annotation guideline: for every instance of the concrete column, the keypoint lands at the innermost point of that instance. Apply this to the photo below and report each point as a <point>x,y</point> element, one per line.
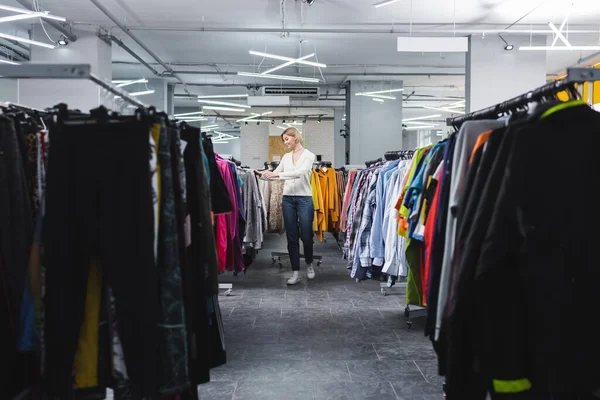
<point>375,127</point>
<point>170,99</point>
<point>494,74</point>
<point>339,142</point>
<point>77,94</point>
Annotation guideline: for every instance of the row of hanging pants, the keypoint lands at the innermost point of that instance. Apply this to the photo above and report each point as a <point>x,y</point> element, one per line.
<point>128,273</point>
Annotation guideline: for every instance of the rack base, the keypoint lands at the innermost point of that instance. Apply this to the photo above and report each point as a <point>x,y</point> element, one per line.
<point>276,256</point>
<point>227,286</point>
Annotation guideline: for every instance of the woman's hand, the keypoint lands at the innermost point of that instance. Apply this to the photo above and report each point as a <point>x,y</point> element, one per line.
<point>270,175</point>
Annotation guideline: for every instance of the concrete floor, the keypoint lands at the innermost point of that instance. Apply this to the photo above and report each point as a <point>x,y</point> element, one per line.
<point>330,338</point>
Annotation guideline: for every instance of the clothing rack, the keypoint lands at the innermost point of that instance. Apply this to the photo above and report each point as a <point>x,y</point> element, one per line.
<point>72,71</point>
<point>63,71</point>
<point>574,76</point>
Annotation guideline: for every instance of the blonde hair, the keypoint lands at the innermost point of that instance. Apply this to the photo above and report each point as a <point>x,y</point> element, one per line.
<point>295,133</point>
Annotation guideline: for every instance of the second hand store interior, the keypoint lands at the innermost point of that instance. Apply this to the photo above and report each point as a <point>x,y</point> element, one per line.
<point>400,307</point>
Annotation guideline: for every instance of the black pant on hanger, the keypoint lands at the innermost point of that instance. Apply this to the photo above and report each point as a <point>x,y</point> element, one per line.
<point>99,204</point>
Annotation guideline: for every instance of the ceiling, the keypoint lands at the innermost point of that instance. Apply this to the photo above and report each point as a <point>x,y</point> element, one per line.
<point>207,42</point>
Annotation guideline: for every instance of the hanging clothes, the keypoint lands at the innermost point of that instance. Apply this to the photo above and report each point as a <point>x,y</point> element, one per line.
<point>487,233</point>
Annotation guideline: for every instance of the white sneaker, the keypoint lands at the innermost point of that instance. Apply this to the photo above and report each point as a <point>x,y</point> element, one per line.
<point>310,272</point>
<point>294,279</point>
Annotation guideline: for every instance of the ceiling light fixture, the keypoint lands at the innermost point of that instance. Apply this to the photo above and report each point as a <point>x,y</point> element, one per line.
<point>385,3</point>
<point>419,122</point>
<point>287,64</point>
<point>282,127</point>
<point>283,58</point>
<point>223,96</point>
<point>9,62</point>
<point>417,128</point>
<point>423,117</point>
<point>223,103</point>
<point>28,41</point>
<point>192,119</point>
<point>223,108</point>
<point>211,126</point>
<point>190,113</point>
<point>379,96</point>
<point>62,41</point>
<point>384,91</point>
<point>141,93</point>
<point>444,110</point>
<point>254,115</point>
<point>127,83</point>
<point>20,17</point>
<point>507,46</point>
<point>378,100</point>
<point>560,48</point>
<point>281,77</point>
<point>46,14</point>
<point>259,120</point>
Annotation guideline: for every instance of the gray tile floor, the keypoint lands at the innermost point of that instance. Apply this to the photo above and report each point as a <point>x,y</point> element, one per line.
<point>330,338</point>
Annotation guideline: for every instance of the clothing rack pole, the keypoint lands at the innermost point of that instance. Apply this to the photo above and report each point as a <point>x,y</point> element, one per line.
<point>574,76</point>
<point>63,71</point>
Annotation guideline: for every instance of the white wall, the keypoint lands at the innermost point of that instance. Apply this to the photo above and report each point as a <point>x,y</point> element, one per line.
<point>494,75</point>
<point>374,127</point>
<point>318,138</point>
<point>9,90</point>
<point>255,145</point>
<point>233,147</point>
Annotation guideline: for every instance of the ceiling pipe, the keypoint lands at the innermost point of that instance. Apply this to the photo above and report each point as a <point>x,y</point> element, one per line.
<point>132,53</point>
<point>380,31</point>
<point>62,27</point>
<point>338,73</point>
<point>139,42</point>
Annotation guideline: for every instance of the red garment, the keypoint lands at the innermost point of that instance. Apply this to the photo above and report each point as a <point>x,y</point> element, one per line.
<point>428,240</point>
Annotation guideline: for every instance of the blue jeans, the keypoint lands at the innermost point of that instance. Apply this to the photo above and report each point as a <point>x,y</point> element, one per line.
<point>298,215</point>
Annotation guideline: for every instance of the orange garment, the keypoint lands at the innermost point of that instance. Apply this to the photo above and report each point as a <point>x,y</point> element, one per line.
<point>481,140</point>
<point>317,196</point>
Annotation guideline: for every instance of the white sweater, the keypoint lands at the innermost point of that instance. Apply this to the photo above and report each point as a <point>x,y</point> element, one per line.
<point>296,176</point>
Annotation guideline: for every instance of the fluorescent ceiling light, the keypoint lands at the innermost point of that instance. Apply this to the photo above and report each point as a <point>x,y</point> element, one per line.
<point>127,83</point>
<point>259,120</point>
<point>418,128</point>
<point>141,93</point>
<point>424,117</point>
<point>190,113</point>
<point>223,103</point>
<point>283,58</point>
<point>385,3</point>
<point>379,96</point>
<point>417,123</point>
<point>378,100</point>
<point>211,126</point>
<point>223,96</point>
<point>560,48</point>
<point>220,141</point>
<point>254,115</point>
<point>223,108</point>
<point>25,11</point>
<point>19,17</point>
<point>24,40</point>
<point>194,119</point>
<point>282,127</point>
<point>384,91</point>
<point>444,110</point>
<point>9,62</point>
<point>281,77</point>
<point>559,34</point>
<point>287,64</point>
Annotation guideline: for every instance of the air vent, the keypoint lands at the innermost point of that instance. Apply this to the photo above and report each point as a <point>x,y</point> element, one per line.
<point>292,91</point>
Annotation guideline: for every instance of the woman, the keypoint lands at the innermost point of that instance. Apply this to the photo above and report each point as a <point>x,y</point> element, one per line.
<point>298,208</point>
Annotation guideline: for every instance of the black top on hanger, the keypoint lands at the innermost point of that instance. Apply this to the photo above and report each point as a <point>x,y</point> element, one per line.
<point>398,155</point>
<point>373,162</point>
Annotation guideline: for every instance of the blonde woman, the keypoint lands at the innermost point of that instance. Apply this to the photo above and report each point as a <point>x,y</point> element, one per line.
<point>298,208</point>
